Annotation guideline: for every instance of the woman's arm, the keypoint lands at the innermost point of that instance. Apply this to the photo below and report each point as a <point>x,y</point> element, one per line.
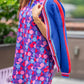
<point>40,25</point>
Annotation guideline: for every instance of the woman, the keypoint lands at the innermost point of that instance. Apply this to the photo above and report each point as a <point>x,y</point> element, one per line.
<point>33,62</point>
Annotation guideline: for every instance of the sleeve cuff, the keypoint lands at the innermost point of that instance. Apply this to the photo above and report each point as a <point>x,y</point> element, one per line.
<point>65,75</point>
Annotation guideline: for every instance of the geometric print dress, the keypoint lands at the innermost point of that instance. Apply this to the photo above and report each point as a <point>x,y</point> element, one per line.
<point>33,62</point>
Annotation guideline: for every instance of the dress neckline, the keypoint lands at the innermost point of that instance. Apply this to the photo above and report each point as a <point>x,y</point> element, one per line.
<point>35,1</point>
<point>30,3</point>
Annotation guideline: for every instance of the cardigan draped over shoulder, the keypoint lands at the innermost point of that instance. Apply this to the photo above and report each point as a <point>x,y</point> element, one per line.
<point>54,17</point>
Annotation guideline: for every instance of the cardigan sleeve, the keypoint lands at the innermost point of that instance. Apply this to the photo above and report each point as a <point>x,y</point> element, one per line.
<point>59,18</point>
<point>54,15</point>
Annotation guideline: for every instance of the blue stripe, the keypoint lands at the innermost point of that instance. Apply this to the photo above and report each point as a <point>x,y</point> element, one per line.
<point>50,31</point>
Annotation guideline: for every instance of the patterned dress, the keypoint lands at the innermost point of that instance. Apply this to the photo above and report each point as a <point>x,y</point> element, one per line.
<point>33,63</point>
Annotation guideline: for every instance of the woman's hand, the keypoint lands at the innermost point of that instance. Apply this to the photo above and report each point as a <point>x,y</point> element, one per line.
<point>36,10</point>
<point>35,13</point>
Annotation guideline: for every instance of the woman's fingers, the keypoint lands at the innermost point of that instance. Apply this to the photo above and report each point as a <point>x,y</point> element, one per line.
<point>37,9</point>
<point>39,6</point>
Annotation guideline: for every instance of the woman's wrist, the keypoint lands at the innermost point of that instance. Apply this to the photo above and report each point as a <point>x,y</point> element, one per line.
<point>41,26</point>
<point>36,19</point>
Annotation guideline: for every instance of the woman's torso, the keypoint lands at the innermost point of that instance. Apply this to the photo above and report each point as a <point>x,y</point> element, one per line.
<point>33,38</point>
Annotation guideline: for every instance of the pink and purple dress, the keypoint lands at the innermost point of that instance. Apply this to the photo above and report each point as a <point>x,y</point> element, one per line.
<point>33,62</point>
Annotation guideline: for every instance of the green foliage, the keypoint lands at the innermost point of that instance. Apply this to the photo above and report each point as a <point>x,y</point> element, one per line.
<point>76,2</point>
<point>9,39</point>
<point>7,34</point>
<point>78,13</point>
<point>9,8</point>
<point>8,2</point>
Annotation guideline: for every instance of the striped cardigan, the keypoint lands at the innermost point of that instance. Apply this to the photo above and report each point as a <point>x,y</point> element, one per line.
<point>54,18</point>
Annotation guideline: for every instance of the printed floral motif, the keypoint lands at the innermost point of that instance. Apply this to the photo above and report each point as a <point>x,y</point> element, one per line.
<point>33,63</point>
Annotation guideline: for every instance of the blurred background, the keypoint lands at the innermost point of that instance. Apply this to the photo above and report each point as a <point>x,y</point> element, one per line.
<point>75,32</point>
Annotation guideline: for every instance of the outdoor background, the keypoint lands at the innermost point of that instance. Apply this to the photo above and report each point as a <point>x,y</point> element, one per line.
<point>75,32</point>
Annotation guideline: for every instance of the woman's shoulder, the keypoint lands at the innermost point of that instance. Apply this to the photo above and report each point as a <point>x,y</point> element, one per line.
<point>53,4</point>
<point>49,2</point>
<point>49,5</point>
